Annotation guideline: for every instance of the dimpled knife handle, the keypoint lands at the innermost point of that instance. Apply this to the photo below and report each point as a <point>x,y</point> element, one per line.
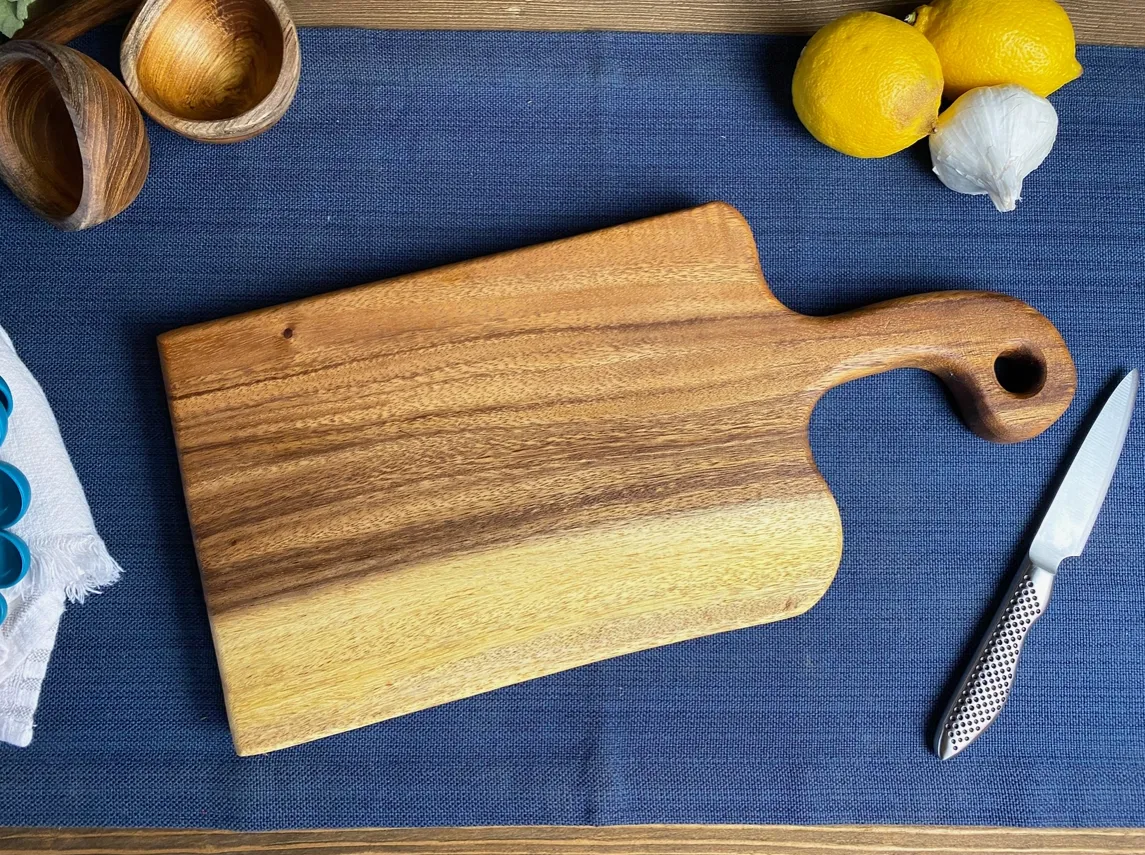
<point>984,689</point>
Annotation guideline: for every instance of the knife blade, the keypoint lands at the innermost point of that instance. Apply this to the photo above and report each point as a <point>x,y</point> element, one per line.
<point>1063,533</point>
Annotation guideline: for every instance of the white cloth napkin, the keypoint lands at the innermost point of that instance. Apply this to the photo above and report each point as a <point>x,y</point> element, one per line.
<point>69,559</point>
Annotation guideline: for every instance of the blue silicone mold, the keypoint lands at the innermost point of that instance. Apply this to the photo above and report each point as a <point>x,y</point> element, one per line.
<point>15,497</point>
<point>15,559</point>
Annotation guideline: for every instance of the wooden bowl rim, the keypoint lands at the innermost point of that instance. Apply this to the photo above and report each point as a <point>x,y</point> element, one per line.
<point>251,122</point>
<point>48,56</point>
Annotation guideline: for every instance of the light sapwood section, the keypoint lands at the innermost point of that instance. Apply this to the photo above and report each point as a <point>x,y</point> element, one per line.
<point>1115,22</point>
<point>417,490</point>
<point>571,840</point>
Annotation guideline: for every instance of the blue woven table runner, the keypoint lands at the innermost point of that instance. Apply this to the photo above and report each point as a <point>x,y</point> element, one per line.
<point>408,150</point>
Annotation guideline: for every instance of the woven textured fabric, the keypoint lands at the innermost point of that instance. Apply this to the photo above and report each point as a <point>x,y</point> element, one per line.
<point>408,150</point>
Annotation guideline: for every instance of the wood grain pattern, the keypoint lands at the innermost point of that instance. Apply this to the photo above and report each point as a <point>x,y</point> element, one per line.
<point>71,20</point>
<point>572,840</point>
<point>73,147</point>
<point>212,70</point>
<point>217,71</point>
<point>1115,22</point>
<point>422,489</point>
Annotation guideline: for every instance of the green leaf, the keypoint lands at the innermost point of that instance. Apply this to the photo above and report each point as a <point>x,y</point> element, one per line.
<point>13,13</point>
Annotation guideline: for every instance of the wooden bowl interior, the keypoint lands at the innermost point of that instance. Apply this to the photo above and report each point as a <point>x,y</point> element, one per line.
<point>206,60</point>
<point>38,140</point>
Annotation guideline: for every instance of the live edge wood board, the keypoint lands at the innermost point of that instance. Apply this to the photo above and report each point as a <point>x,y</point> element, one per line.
<point>418,490</point>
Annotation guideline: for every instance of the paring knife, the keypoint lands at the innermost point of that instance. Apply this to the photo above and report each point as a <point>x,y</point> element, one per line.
<point>1063,533</point>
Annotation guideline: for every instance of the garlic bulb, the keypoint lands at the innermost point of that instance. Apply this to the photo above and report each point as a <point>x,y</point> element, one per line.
<point>990,139</point>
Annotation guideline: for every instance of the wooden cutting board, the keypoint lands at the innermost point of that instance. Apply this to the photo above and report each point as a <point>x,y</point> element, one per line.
<point>417,490</point>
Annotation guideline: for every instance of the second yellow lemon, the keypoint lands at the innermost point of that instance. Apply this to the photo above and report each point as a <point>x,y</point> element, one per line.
<point>992,42</point>
<point>868,85</point>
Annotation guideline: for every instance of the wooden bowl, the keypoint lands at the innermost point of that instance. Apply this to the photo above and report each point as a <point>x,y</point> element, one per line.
<point>73,146</point>
<point>212,70</point>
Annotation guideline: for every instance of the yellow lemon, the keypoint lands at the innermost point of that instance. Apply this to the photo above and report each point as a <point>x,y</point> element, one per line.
<point>991,42</point>
<point>868,85</point>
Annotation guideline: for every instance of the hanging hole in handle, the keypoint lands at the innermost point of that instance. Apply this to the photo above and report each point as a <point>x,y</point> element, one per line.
<point>1020,372</point>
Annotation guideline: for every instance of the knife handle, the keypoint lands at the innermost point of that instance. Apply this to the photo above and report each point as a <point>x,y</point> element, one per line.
<point>984,688</point>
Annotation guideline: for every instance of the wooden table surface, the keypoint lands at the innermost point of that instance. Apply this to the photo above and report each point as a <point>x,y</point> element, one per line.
<point>616,840</point>
<point>1114,22</point>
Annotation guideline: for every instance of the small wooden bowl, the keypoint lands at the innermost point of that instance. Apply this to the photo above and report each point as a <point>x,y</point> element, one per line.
<point>212,70</point>
<point>73,147</point>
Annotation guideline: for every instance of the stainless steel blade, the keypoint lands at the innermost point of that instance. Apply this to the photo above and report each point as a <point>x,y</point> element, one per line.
<point>986,685</point>
<point>1069,521</point>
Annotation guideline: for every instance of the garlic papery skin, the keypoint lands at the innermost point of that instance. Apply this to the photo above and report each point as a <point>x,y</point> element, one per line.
<point>990,139</point>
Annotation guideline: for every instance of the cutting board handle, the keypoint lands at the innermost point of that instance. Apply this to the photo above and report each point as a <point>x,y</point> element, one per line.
<point>1005,363</point>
